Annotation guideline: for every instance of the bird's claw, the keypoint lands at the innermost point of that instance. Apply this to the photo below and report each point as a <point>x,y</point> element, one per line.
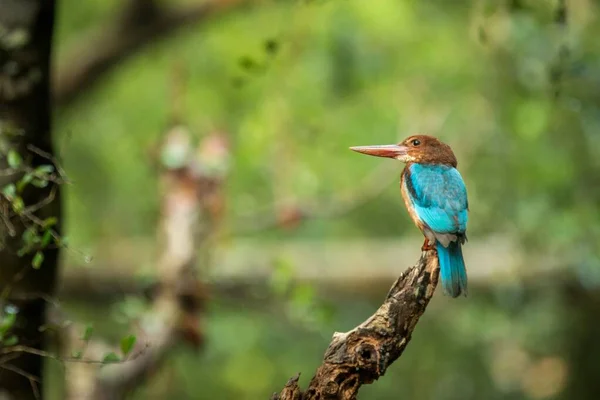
<point>427,246</point>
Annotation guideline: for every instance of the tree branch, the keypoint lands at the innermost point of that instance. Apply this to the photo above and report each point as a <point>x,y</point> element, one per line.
<point>363,354</point>
<point>191,184</point>
<point>189,189</point>
<point>140,23</point>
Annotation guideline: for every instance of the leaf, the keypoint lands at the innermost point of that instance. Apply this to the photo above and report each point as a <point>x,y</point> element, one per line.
<point>9,191</point>
<point>7,322</point>
<point>10,341</point>
<point>18,205</point>
<point>43,170</point>
<point>50,221</point>
<point>14,159</point>
<point>24,181</point>
<point>46,239</point>
<point>87,334</point>
<point>111,358</point>
<point>127,344</point>
<point>30,239</point>
<point>77,355</point>
<point>37,260</point>
<point>30,234</point>
<point>40,183</point>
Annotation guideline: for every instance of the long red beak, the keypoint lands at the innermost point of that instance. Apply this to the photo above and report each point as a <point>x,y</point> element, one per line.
<point>386,150</point>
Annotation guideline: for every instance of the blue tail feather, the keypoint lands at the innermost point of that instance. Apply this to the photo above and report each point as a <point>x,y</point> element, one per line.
<point>452,269</point>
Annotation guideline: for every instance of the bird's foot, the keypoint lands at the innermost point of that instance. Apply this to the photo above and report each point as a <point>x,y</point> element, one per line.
<point>427,246</point>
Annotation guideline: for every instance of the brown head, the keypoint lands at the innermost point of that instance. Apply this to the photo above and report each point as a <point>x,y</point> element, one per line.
<point>422,149</point>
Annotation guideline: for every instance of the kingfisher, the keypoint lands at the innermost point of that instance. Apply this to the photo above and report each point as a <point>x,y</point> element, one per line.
<point>436,198</point>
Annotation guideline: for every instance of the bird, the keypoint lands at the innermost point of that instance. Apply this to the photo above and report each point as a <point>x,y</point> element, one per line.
<point>436,198</point>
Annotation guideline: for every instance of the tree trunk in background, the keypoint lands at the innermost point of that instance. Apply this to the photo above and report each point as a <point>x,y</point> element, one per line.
<point>583,345</point>
<point>25,45</point>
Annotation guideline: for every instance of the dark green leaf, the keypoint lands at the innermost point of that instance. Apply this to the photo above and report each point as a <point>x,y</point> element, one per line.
<point>18,205</point>
<point>9,191</point>
<point>24,181</point>
<point>43,170</point>
<point>40,183</point>
<point>29,234</point>
<point>7,322</point>
<point>14,159</point>
<point>37,260</point>
<point>10,341</point>
<point>46,239</point>
<point>127,344</point>
<point>87,334</point>
<point>30,241</point>
<point>50,221</point>
<point>111,358</point>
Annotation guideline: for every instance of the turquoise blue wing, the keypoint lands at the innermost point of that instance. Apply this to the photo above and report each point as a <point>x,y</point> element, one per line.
<point>439,197</point>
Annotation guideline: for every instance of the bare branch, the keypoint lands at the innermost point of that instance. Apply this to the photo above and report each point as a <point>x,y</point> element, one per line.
<point>363,354</point>
<point>62,175</point>
<point>33,380</point>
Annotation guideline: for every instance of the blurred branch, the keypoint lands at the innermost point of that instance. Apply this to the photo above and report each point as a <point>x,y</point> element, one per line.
<point>140,23</point>
<point>249,264</point>
<point>76,350</point>
<point>190,180</point>
<point>363,354</point>
<point>188,186</point>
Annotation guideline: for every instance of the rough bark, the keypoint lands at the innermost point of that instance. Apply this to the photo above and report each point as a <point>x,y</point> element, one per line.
<point>26,28</point>
<point>363,354</point>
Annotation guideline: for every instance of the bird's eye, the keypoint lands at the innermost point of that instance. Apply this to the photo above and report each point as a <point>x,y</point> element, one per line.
<point>416,142</point>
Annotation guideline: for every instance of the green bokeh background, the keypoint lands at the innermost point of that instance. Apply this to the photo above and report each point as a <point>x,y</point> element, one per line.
<point>517,96</point>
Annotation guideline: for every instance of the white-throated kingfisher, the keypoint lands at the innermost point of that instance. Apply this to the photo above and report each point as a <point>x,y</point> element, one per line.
<point>436,198</point>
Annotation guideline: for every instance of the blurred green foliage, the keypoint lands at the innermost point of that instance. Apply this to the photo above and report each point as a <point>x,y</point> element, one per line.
<point>504,345</point>
<point>514,90</point>
<point>347,73</point>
